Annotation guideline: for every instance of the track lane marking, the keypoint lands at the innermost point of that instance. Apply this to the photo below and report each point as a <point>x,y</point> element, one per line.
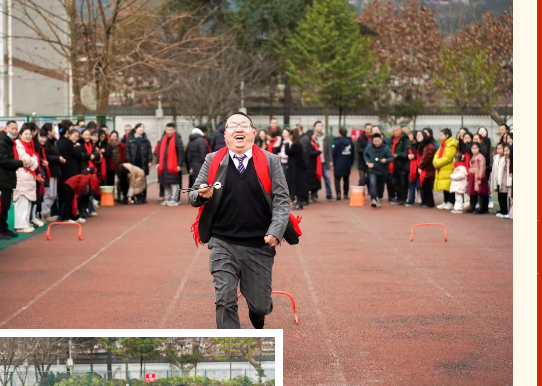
<point>81,265</point>
<point>180,288</point>
<point>321,320</point>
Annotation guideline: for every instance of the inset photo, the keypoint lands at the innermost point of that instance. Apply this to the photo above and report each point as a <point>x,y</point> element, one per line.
<point>138,361</point>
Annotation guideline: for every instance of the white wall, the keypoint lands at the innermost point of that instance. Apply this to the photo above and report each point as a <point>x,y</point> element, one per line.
<point>34,92</point>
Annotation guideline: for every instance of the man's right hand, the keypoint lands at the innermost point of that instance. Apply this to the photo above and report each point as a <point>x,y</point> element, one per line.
<point>371,165</point>
<point>205,191</point>
<point>92,157</point>
<point>26,164</point>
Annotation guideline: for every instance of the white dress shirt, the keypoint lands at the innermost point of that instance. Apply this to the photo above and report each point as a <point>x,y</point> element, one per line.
<point>245,161</point>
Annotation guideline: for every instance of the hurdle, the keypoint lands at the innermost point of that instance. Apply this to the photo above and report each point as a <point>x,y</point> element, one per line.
<point>429,224</point>
<point>285,294</point>
<point>79,234</point>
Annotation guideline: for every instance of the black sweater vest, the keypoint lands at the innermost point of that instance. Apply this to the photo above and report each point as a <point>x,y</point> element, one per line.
<point>243,216</point>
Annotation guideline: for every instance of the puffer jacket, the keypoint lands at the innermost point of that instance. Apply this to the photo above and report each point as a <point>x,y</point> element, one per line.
<point>195,153</point>
<point>26,181</point>
<point>445,164</point>
<point>459,180</point>
<point>499,174</point>
<point>137,179</point>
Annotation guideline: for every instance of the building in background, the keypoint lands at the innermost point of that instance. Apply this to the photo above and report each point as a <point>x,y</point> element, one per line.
<point>33,77</point>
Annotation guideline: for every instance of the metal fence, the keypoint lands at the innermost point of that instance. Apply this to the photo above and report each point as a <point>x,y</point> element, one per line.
<point>185,377</point>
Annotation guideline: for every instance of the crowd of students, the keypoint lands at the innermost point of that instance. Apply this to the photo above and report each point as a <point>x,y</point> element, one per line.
<point>56,174</point>
<point>410,165</point>
<point>52,175</point>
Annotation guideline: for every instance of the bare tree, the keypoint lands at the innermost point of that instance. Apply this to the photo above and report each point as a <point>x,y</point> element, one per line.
<point>14,352</point>
<point>214,90</point>
<point>47,351</point>
<point>494,34</point>
<point>409,41</point>
<point>119,45</point>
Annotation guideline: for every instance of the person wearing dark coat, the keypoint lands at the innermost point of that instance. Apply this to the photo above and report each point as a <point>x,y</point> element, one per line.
<point>170,161</point>
<point>297,173</point>
<point>400,166</point>
<point>363,140</point>
<point>326,157</point>
<point>426,170</point>
<point>196,151</point>
<point>314,171</point>
<point>218,141</point>
<point>88,142</point>
<point>9,163</point>
<point>106,151</point>
<point>55,168</point>
<point>44,183</point>
<point>139,152</point>
<point>70,149</point>
<point>377,155</point>
<point>343,159</point>
<point>139,149</point>
<point>76,158</point>
<point>86,145</point>
<point>303,187</point>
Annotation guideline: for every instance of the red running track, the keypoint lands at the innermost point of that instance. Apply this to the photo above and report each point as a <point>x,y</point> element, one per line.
<point>373,306</point>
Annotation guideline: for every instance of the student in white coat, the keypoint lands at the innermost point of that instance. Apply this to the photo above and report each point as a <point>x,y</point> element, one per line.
<point>459,184</point>
<point>25,192</point>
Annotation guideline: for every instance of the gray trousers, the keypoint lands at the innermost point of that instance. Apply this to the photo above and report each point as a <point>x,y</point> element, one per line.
<point>232,265</point>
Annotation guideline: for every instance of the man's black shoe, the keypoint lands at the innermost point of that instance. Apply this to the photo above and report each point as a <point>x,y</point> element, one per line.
<point>395,201</point>
<point>304,203</point>
<point>257,321</point>
<point>297,207</point>
<point>10,233</point>
<point>4,236</point>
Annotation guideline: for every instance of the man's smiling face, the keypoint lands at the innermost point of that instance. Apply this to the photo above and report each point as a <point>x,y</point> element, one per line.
<point>239,134</point>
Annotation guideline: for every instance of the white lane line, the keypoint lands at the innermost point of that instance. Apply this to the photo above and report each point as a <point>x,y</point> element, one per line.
<point>401,254</point>
<point>59,281</point>
<point>322,321</point>
<point>173,303</point>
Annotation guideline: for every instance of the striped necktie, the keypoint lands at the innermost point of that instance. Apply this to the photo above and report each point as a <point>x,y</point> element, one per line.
<point>240,158</point>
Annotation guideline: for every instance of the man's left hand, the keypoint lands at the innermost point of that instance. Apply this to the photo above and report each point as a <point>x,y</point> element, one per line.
<point>271,240</point>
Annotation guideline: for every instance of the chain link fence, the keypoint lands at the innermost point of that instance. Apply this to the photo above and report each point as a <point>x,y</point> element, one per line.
<point>185,377</point>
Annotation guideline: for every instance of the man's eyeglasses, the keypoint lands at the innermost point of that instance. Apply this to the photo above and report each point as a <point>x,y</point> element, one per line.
<point>235,126</point>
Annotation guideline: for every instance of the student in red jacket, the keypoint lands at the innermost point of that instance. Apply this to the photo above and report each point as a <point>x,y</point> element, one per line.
<point>75,187</point>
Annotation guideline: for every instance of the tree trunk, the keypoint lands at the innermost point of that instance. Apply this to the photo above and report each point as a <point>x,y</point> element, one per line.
<point>230,366</point>
<point>77,107</point>
<point>109,364</point>
<point>271,97</point>
<point>287,101</point>
<point>326,112</point>
<point>73,38</point>
<point>102,94</point>
<point>141,367</point>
